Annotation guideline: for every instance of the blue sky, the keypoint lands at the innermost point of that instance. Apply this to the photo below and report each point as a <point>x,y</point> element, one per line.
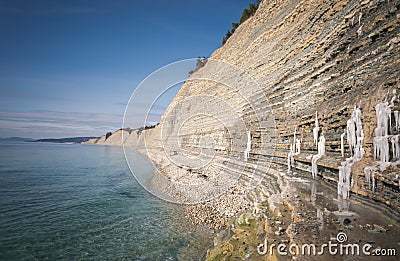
<point>68,68</point>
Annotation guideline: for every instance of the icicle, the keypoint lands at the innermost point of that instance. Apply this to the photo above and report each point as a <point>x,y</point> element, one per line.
<point>314,166</point>
<point>347,183</point>
<point>341,179</point>
<point>321,152</point>
<point>392,140</point>
<point>370,176</point>
<point>358,149</point>
<point>342,143</point>
<point>294,150</point>
<point>395,146</point>
<point>396,119</point>
<point>298,145</point>
<point>351,133</point>
<point>359,31</point>
<point>381,143</point>
<point>381,148</point>
<point>355,134</point>
<point>344,182</point>
<point>373,181</point>
<point>248,146</point>
<point>321,145</point>
<point>355,139</point>
<point>316,129</point>
<point>290,159</point>
<point>393,98</point>
<point>367,172</point>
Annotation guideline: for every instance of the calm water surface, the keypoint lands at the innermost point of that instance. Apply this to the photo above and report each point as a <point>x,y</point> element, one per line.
<point>60,201</point>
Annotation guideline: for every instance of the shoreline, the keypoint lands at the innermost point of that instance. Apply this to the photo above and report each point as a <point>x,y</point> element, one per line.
<point>296,220</point>
<point>285,218</point>
<point>216,213</point>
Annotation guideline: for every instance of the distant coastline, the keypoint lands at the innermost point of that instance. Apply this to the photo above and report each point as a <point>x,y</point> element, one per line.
<point>15,139</point>
<point>73,140</point>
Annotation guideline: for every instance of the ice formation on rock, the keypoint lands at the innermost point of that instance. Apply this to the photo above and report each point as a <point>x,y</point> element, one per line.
<point>358,148</point>
<point>355,138</point>
<point>321,152</point>
<point>395,113</point>
<point>320,146</point>
<point>248,146</point>
<point>370,176</point>
<point>355,134</point>
<point>298,144</point>
<point>350,135</point>
<point>359,31</point>
<point>381,148</point>
<point>383,116</point>
<point>316,129</point>
<point>393,98</point>
<point>396,120</point>
<point>395,147</point>
<point>344,183</point>
<point>290,158</point>
<point>381,143</point>
<point>383,135</point>
<point>293,151</point>
<point>342,143</point>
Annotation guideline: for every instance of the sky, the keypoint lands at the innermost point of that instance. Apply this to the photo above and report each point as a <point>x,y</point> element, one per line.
<point>68,68</point>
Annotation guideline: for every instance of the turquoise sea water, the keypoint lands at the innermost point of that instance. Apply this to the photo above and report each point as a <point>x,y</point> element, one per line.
<point>80,202</point>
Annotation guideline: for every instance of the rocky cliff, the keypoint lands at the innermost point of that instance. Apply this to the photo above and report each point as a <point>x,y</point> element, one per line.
<point>291,65</point>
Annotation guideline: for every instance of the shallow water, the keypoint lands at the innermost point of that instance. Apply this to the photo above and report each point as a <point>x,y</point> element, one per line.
<point>74,202</point>
<point>362,220</point>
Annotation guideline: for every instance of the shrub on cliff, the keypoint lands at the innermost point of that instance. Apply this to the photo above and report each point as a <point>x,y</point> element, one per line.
<point>108,134</point>
<point>199,64</point>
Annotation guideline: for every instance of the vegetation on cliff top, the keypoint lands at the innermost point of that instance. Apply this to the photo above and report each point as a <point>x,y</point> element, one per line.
<point>246,14</point>
<point>200,62</point>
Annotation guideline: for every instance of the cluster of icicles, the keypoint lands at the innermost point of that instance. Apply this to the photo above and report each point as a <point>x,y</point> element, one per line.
<point>319,141</point>
<point>293,151</point>
<point>354,134</point>
<point>384,133</point>
<point>355,138</point>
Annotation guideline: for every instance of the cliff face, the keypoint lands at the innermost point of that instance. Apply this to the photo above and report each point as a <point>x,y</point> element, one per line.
<point>284,64</point>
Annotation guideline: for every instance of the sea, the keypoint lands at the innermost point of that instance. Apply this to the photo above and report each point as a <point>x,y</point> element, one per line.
<point>81,202</point>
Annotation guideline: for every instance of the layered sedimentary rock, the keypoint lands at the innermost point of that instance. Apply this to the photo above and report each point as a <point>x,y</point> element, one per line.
<point>284,64</point>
